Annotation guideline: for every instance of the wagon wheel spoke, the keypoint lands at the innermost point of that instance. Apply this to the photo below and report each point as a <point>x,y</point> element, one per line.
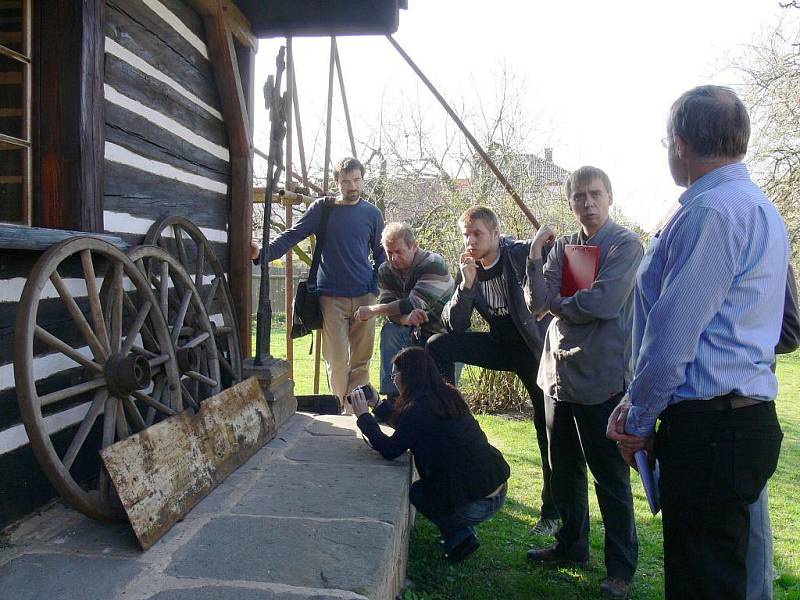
<point>72,391</point>
<point>133,413</point>
<point>117,294</point>
<point>201,265</point>
<point>95,410</point>
<point>223,362</point>
<point>153,403</point>
<point>200,377</point>
<point>147,334</point>
<point>196,341</point>
<point>77,316</point>
<point>188,396</point>
<point>136,327</point>
<point>178,323</point>
<point>61,346</point>
<point>212,293</point>
<point>94,298</point>
<point>159,360</point>
<point>178,233</point>
<point>163,289</point>
<point>123,431</point>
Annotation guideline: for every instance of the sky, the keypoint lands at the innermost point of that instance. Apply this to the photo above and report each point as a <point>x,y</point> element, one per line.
<point>597,78</point>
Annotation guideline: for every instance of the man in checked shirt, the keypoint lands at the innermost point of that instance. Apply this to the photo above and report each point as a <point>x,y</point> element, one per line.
<point>705,329</point>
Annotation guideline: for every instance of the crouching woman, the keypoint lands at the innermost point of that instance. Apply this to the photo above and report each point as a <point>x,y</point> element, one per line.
<point>462,477</point>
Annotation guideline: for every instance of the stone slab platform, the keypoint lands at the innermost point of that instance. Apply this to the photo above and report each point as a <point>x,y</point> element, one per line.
<point>315,514</point>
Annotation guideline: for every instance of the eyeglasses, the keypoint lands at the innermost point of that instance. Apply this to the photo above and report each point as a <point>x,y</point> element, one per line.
<point>395,375</point>
<point>665,141</point>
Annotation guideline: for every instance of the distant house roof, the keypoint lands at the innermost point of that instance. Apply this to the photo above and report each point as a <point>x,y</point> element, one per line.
<point>543,171</point>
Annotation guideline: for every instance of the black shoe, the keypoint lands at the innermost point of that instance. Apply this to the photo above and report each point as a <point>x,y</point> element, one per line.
<point>463,550</point>
<point>614,587</point>
<point>549,556</point>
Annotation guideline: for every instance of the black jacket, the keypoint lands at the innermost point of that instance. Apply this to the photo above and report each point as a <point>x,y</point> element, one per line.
<point>457,312</point>
<point>790,329</point>
<point>454,459</point>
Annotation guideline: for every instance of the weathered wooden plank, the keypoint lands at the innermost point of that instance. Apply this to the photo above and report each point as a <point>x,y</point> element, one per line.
<point>147,44</point>
<point>162,472</point>
<point>188,16</point>
<point>143,15</point>
<point>237,22</point>
<point>159,96</point>
<point>38,238</point>
<point>143,194</point>
<point>154,143</point>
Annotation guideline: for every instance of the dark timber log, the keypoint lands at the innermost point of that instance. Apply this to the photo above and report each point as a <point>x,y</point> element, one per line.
<point>235,109</point>
<point>69,133</point>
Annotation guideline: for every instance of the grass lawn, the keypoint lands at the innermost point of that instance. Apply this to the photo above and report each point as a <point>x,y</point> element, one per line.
<point>499,570</point>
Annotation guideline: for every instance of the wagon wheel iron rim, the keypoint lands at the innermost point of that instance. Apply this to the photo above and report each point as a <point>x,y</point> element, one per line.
<point>184,240</point>
<point>187,320</point>
<point>117,371</point>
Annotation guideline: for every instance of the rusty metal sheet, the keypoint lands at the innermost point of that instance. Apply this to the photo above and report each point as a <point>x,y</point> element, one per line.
<point>163,471</point>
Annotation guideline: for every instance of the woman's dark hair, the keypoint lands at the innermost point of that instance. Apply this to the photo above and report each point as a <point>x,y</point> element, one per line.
<point>421,379</point>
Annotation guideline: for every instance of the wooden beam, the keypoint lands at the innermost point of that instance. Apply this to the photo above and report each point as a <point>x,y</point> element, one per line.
<point>344,98</point>
<point>238,24</point>
<point>236,108</point>
<point>288,282</point>
<point>69,113</point>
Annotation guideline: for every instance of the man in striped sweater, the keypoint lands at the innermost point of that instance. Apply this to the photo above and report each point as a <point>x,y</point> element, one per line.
<point>414,286</point>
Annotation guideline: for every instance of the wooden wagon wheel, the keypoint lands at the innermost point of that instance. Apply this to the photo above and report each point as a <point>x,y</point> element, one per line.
<point>190,329</point>
<point>115,373</point>
<point>184,240</point>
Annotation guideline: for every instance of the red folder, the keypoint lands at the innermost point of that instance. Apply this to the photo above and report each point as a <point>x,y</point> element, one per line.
<point>581,264</point>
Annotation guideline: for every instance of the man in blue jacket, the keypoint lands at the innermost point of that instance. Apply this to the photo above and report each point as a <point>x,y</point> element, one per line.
<point>346,278</point>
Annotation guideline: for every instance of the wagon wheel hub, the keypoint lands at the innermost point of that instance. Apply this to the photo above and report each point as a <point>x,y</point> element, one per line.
<point>127,374</point>
<point>188,360</point>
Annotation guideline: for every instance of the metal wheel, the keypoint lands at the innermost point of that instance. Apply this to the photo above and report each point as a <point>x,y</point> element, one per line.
<point>184,240</point>
<point>111,377</point>
<point>190,329</point>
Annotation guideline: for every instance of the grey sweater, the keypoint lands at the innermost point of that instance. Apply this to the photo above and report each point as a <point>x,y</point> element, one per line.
<point>587,349</point>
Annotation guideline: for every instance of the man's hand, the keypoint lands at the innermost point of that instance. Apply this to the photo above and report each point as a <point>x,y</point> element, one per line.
<point>545,235</point>
<point>627,444</point>
<point>417,317</point>
<point>363,313</point>
<point>359,402</point>
<point>469,270</point>
<point>254,250</point>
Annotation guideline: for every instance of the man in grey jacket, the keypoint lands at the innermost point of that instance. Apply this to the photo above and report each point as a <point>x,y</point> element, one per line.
<point>584,372</point>
<point>492,270</point>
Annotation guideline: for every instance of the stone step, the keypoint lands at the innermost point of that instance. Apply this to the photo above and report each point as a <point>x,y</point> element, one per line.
<point>315,513</point>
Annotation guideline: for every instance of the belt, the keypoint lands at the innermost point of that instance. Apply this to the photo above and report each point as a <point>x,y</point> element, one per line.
<point>726,402</point>
<point>501,488</point>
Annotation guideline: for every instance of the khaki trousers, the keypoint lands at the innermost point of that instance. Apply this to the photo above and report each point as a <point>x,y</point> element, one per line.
<point>346,343</point>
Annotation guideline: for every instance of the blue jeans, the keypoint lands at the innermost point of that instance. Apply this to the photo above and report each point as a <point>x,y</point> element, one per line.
<point>394,338</point>
<point>459,524</point>
<point>759,550</point>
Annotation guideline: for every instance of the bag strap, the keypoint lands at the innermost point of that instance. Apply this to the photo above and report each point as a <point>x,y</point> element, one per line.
<point>327,208</point>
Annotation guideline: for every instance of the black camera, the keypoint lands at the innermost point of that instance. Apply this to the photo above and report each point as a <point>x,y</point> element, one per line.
<point>368,394</point>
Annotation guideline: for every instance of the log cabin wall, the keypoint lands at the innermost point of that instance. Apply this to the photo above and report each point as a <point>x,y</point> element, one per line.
<point>166,147</point>
<point>165,153</point>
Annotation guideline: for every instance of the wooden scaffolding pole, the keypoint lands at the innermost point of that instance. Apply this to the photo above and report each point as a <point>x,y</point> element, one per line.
<point>288,270</point>
<point>344,98</point>
<point>489,162</point>
<point>325,188</point>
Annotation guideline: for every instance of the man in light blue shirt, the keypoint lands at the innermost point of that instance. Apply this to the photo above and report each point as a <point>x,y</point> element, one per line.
<point>704,333</point>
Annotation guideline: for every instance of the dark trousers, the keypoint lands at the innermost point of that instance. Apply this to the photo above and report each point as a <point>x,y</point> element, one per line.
<point>490,351</point>
<point>577,435</point>
<point>714,464</point>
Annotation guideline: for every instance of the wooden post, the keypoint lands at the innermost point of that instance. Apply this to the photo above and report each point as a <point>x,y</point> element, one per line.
<point>325,187</point>
<point>300,147</point>
<point>289,282</point>
<point>489,162</point>
<point>344,98</point>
